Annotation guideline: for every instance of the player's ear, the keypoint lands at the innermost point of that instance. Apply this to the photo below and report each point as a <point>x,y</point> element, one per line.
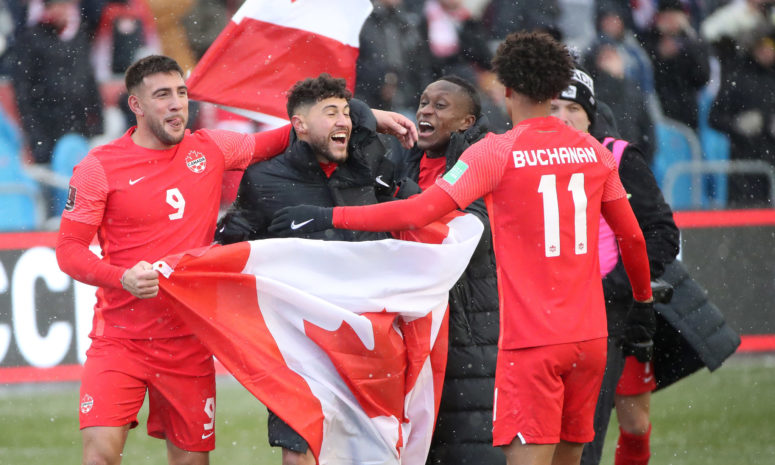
<point>468,121</point>
<point>134,105</point>
<point>299,125</point>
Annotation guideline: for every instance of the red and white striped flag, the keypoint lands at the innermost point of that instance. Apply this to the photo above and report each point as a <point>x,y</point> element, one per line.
<point>269,45</point>
<point>345,341</point>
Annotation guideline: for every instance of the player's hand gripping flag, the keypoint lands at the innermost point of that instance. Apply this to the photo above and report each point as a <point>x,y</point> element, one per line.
<point>345,341</point>
<point>269,45</point>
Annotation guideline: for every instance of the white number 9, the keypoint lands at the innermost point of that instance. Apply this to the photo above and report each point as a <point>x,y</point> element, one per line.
<point>176,200</point>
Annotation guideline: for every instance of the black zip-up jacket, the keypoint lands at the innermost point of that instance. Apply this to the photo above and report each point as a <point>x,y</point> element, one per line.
<point>295,178</point>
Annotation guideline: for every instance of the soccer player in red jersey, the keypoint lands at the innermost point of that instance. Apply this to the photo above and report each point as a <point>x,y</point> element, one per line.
<point>545,185</point>
<point>151,193</point>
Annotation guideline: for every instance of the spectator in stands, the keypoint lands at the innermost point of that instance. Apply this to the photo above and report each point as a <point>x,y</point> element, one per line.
<point>53,79</point>
<point>203,24</point>
<point>627,101</point>
<point>614,28</point>
<point>681,66</point>
<point>169,16</point>
<point>392,62</point>
<point>6,33</point>
<point>125,33</point>
<point>744,111</point>
<point>502,17</point>
<point>737,25</point>
<point>456,40</point>
<point>576,21</point>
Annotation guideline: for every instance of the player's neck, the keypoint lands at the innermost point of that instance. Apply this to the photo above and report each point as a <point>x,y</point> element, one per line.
<point>522,107</point>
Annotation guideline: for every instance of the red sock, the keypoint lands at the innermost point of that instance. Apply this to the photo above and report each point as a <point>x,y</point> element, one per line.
<point>632,449</point>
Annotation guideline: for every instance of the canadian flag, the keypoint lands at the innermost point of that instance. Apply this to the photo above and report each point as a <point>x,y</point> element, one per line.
<point>269,45</point>
<point>345,341</point>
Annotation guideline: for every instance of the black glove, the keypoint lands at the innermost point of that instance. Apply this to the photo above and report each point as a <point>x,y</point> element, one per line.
<point>407,188</point>
<point>301,219</point>
<point>233,228</point>
<point>640,324</point>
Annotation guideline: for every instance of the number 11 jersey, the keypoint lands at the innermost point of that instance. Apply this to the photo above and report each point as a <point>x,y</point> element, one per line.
<point>544,184</point>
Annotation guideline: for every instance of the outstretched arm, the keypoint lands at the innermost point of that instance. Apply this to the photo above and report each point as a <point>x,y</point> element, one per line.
<point>412,213</point>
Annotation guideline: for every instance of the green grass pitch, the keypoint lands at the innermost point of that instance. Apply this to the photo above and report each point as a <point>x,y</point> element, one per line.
<point>727,417</point>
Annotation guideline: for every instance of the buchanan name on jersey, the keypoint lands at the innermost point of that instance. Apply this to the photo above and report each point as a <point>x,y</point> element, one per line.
<point>554,156</point>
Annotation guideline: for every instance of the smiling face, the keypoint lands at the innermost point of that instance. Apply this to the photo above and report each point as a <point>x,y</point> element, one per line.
<point>161,106</point>
<point>444,108</point>
<point>571,113</point>
<point>326,126</point>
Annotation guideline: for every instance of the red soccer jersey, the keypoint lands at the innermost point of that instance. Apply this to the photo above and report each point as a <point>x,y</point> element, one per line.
<point>150,204</point>
<point>544,183</point>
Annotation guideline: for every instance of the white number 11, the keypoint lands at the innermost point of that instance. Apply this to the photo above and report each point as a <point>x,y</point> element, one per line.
<point>548,188</point>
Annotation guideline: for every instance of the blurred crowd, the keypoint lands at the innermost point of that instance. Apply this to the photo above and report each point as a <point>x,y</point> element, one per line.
<point>652,61</point>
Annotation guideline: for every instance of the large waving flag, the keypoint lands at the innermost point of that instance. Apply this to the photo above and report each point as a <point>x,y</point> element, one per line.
<point>345,341</point>
<point>269,45</point>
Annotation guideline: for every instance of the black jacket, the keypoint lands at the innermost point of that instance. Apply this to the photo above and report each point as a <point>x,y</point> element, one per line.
<point>691,331</point>
<point>678,79</point>
<point>463,433</point>
<point>295,178</point>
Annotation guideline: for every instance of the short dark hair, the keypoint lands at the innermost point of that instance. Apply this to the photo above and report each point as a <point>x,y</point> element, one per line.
<point>146,66</point>
<point>533,64</point>
<point>312,90</point>
<point>469,90</point>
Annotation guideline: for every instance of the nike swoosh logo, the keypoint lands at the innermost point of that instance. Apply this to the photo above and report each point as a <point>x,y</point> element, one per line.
<point>647,380</point>
<point>207,435</point>
<point>132,182</point>
<point>381,182</point>
<point>294,225</point>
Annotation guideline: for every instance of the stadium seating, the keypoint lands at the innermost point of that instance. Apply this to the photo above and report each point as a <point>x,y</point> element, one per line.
<point>21,201</point>
<point>715,147</point>
<point>676,144</point>
<point>68,151</point>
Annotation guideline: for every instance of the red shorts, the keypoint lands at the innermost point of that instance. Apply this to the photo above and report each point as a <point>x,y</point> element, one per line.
<point>637,378</point>
<point>547,394</point>
<point>178,374</point>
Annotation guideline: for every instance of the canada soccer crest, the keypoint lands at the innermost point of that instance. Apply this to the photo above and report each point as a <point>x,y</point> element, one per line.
<point>87,402</point>
<point>196,161</point>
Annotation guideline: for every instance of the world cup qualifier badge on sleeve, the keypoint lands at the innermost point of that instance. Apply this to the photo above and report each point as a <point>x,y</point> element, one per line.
<point>456,172</point>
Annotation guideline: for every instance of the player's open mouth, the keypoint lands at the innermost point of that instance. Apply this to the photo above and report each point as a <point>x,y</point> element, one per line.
<point>425,128</point>
<point>339,138</point>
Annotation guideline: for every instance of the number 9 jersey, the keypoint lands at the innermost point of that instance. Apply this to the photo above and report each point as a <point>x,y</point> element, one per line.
<point>544,184</point>
<point>148,204</point>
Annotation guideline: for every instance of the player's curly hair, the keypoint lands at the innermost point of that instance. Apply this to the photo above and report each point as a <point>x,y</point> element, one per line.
<point>533,64</point>
<point>146,66</point>
<point>312,90</point>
